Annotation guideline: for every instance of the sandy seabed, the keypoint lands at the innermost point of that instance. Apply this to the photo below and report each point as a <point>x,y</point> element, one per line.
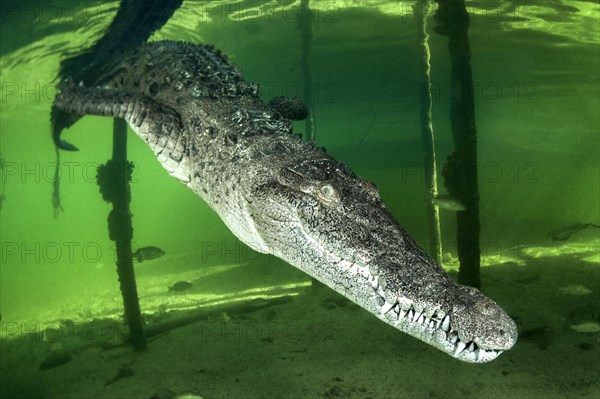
<point>316,344</point>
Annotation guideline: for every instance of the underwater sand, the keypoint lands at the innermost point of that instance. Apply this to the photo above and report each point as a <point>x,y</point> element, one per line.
<point>319,345</point>
<point>539,153</point>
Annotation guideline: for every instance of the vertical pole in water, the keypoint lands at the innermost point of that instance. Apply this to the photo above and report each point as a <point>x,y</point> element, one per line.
<point>460,172</point>
<point>305,24</point>
<point>121,232</point>
<point>421,10</point>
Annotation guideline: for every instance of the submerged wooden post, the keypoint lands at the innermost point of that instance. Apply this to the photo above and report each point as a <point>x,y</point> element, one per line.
<point>305,24</point>
<point>113,179</point>
<point>421,10</point>
<point>460,171</point>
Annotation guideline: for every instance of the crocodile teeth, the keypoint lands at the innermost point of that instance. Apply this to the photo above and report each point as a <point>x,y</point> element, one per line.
<point>417,316</point>
<point>479,354</point>
<point>375,282</point>
<point>446,324</point>
<point>387,307</point>
<point>471,347</point>
<point>432,324</point>
<point>421,319</point>
<point>410,314</point>
<point>402,313</point>
<point>397,309</point>
<point>459,348</point>
<point>453,337</point>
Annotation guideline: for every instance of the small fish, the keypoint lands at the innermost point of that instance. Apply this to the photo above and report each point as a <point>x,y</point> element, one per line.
<point>148,253</point>
<point>448,202</point>
<point>575,290</point>
<point>588,327</point>
<point>180,286</point>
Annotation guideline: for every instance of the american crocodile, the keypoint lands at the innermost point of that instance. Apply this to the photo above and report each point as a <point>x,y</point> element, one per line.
<point>281,195</point>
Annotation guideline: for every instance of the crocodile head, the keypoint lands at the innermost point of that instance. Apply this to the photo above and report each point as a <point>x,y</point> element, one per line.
<point>317,215</point>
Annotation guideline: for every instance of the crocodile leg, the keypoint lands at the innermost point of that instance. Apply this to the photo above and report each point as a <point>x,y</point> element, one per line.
<point>150,119</point>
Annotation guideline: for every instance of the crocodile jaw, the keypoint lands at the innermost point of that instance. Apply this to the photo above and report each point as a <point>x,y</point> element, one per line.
<point>433,314</point>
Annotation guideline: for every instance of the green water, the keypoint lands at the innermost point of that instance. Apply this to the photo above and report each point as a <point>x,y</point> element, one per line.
<point>537,91</point>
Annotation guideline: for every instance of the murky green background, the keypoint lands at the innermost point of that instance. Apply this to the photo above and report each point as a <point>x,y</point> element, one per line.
<point>537,109</point>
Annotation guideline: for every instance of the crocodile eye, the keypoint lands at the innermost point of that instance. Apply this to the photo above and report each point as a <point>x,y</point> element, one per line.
<point>327,193</point>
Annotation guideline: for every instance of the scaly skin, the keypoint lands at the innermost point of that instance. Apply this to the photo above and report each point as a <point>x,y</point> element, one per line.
<point>282,196</point>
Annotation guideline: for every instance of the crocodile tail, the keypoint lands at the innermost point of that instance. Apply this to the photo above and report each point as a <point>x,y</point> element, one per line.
<point>133,24</point>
